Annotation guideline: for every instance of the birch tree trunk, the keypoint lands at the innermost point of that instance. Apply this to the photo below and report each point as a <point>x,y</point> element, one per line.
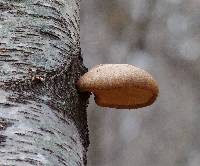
<point>42,116</point>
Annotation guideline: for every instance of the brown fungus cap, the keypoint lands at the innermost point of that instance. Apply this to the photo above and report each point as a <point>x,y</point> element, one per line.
<point>119,86</point>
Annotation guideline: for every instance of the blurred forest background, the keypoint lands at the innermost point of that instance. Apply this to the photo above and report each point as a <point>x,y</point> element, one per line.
<point>162,37</point>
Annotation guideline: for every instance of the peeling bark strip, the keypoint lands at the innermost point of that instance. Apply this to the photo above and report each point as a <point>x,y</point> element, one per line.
<point>42,116</point>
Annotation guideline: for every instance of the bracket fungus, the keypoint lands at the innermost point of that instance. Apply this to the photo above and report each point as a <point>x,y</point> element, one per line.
<point>119,86</point>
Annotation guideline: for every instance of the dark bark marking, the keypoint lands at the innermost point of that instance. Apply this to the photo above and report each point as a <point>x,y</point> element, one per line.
<point>62,118</point>
<point>73,139</point>
<point>62,147</point>
<point>23,135</point>
<point>47,131</point>
<point>32,34</point>
<point>35,133</point>
<point>5,55</point>
<point>4,123</point>
<point>14,50</point>
<point>68,146</point>
<point>51,35</point>
<point>32,48</point>
<point>8,60</point>
<point>2,152</point>
<point>78,163</point>
<point>60,159</point>
<point>61,133</point>
<point>64,50</point>
<point>24,142</point>
<point>13,153</point>
<point>34,119</point>
<point>28,152</point>
<point>2,139</point>
<point>6,105</point>
<point>28,113</point>
<point>59,3</point>
<point>20,98</point>
<point>61,21</point>
<point>72,23</point>
<point>18,64</point>
<point>48,150</point>
<point>36,110</point>
<point>6,7</point>
<point>78,156</point>
<point>52,8</point>
<point>77,4</point>
<point>27,160</point>
<point>17,12</point>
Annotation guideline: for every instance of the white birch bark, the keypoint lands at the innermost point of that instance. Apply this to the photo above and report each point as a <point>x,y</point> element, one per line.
<point>42,116</point>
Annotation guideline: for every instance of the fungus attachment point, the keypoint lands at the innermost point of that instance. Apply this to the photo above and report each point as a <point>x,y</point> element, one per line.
<point>119,86</point>
<point>37,79</point>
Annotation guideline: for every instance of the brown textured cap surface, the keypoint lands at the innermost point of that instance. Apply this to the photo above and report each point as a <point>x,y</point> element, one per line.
<point>119,86</point>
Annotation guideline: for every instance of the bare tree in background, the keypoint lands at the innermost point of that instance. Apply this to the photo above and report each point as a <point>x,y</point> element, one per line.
<point>161,36</point>
<point>42,116</point>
